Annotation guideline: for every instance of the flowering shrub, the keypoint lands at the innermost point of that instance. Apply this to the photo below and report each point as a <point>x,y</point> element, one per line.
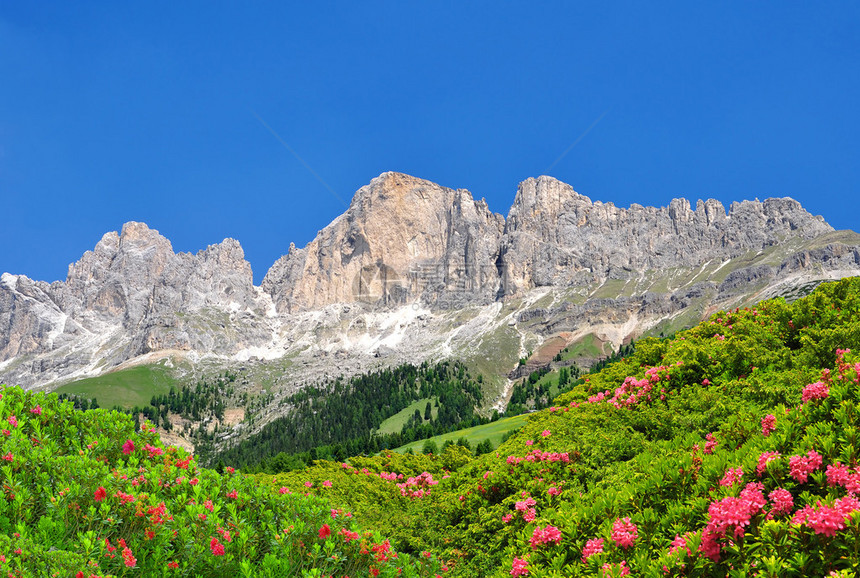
<point>416,486</point>
<point>763,460</point>
<point>782,502</point>
<point>802,466</point>
<point>592,547</point>
<point>639,496</point>
<point>817,390</point>
<point>83,494</point>
<point>519,567</point>
<point>732,477</point>
<point>711,443</point>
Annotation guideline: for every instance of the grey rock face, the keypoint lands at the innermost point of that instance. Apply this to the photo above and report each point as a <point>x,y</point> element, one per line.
<point>133,285</point>
<point>30,320</point>
<point>555,236</point>
<point>401,239</point>
<point>407,241</point>
<point>135,274</point>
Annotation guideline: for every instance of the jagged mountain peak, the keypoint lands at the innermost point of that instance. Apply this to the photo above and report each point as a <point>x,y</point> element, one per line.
<point>546,190</point>
<point>400,237</point>
<point>402,195</point>
<point>406,241</point>
<point>133,231</point>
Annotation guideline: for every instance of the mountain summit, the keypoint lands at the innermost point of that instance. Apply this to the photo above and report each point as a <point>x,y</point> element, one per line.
<point>414,270</point>
<point>402,238</point>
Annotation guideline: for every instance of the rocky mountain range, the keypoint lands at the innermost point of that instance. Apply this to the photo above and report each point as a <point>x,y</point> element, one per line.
<point>412,271</point>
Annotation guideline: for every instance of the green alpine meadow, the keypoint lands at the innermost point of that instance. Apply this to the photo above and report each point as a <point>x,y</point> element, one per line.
<point>728,449</point>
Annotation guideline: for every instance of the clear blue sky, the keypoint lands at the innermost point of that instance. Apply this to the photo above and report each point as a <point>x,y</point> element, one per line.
<point>118,111</point>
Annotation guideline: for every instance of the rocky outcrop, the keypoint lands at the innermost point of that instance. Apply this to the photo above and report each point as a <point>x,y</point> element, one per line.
<point>555,236</point>
<point>30,320</point>
<point>408,241</point>
<point>402,239</point>
<point>133,286</point>
<point>135,274</point>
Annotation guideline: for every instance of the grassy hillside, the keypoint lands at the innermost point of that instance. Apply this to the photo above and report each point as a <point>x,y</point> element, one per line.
<point>493,431</point>
<point>125,388</point>
<point>728,450</point>
<point>396,422</point>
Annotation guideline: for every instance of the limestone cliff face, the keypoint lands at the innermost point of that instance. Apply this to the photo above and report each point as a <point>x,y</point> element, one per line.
<point>135,274</point>
<point>30,319</point>
<point>555,236</point>
<point>401,239</point>
<point>114,283</point>
<point>132,286</point>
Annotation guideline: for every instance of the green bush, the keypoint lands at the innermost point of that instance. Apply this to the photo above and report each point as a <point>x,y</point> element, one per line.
<point>84,494</point>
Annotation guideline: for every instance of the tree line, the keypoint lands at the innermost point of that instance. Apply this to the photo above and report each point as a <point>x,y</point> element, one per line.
<point>340,418</point>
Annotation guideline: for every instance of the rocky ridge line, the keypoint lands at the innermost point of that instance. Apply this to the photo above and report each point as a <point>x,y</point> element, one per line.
<point>403,241</point>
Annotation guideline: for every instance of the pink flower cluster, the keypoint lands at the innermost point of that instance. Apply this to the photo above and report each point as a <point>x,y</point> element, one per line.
<point>817,390</point>
<point>768,424</point>
<point>592,547</point>
<point>781,502</point>
<point>678,544</point>
<point>624,532</point>
<point>764,459</point>
<point>731,514</point>
<point>710,444</point>
<point>547,535</point>
<point>527,508</point>
<point>417,486</point>
<point>216,547</point>
<point>839,474</point>
<point>123,497</point>
<point>540,456</point>
<point>801,466</point>
<point>826,520</point>
<point>732,476</point>
<point>519,567</point>
<point>631,392</point>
